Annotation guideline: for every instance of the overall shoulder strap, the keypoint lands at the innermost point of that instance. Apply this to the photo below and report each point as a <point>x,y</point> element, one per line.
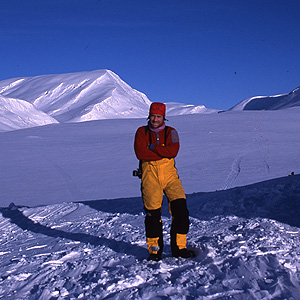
<point>166,129</point>
<point>147,129</point>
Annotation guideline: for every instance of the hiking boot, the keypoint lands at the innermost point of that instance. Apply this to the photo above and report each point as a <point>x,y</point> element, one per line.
<point>184,253</point>
<point>154,257</point>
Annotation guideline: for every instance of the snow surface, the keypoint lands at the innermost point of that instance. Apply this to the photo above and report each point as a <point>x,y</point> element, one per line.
<point>58,245</point>
<point>246,239</point>
<point>76,230</point>
<point>94,160</point>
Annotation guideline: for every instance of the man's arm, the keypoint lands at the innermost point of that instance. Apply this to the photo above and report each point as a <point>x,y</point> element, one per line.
<point>141,146</point>
<point>170,150</point>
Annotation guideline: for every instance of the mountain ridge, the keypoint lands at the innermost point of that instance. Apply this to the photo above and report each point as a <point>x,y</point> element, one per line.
<point>72,96</point>
<point>96,95</point>
<point>273,102</point>
<point>82,96</point>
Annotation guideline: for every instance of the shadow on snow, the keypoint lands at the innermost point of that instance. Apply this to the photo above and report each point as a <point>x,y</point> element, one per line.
<point>277,199</point>
<point>18,218</point>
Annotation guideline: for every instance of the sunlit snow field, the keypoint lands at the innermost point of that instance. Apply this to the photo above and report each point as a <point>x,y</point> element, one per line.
<point>63,240</point>
<point>94,160</point>
<point>72,220</point>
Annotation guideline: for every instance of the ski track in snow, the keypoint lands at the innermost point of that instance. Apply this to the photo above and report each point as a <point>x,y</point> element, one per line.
<point>74,251</point>
<point>234,173</point>
<point>259,145</point>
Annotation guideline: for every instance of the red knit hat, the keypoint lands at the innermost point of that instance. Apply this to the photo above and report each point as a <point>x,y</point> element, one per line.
<point>158,109</point>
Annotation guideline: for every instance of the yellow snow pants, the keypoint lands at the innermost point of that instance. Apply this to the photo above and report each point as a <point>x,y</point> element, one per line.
<point>160,177</point>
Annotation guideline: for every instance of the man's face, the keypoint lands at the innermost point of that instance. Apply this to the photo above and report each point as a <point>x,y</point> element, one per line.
<point>156,120</point>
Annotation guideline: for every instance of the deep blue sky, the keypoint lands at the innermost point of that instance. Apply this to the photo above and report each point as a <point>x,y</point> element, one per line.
<point>211,52</point>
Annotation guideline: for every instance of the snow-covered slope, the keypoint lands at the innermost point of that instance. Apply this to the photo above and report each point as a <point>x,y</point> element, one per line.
<point>100,94</point>
<point>85,96</point>
<point>246,241</point>
<point>176,109</point>
<point>59,244</point>
<point>19,114</point>
<point>80,96</point>
<point>94,160</point>
<point>270,102</point>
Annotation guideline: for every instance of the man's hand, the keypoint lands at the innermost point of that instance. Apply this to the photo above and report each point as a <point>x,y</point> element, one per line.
<point>151,146</point>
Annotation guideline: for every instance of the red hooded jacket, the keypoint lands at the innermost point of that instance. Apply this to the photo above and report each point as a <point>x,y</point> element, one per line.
<point>164,144</point>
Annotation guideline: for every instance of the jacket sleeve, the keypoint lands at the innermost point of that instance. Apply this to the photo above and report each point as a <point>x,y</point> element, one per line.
<point>141,144</point>
<point>171,147</point>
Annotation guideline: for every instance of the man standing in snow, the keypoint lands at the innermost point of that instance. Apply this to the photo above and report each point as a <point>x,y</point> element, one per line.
<point>156,145</point>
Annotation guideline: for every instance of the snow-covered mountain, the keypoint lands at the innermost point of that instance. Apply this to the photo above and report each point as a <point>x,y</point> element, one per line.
<point>270,102</point>
<point>176,109</point>
<point>96,95</point>
<point>80,96</point>
<point>17,114</point>
<point>83,96</point>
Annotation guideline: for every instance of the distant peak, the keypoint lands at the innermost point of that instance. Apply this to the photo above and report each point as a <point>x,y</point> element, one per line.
<point>295,90</point>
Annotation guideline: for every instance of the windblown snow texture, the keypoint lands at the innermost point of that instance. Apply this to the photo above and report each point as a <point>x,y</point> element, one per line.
<point>247,248</point>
